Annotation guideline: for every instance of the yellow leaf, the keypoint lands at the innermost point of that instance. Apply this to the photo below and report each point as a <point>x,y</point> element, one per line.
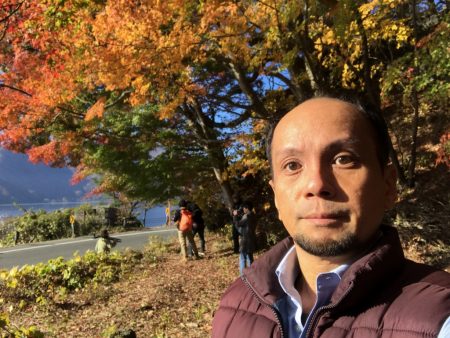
<point>12,284</point>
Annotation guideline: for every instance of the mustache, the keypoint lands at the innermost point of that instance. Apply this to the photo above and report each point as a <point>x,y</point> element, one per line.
<point>324,211</point>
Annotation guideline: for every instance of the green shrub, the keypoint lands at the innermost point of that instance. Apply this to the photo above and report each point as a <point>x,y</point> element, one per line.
<point>44,283</point>
<point>40,225</point>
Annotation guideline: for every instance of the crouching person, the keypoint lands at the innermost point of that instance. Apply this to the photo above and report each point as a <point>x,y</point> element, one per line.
<point>105,243</point>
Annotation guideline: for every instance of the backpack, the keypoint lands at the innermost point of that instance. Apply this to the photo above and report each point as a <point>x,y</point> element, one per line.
<point>185,221</point>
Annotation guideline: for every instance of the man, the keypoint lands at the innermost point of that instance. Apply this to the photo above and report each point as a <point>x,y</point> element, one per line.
<point>237,214</point>
<point>105,243</point>
<point>167,212</point>
<point>198,227</point>
<point>340,273</point>
<point>247,242</point>
<point>183,221</point>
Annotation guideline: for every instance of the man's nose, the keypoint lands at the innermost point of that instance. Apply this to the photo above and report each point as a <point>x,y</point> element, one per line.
<point>319,182</point>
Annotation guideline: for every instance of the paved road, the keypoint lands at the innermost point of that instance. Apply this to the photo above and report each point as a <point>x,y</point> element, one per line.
<point>42,252</point>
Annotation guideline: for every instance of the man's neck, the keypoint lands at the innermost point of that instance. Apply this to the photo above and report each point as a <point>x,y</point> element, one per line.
<point>310,267</point>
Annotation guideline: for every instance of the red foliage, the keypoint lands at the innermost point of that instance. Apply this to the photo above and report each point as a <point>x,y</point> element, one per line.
<point>443,152</point>
<point>50,153</point>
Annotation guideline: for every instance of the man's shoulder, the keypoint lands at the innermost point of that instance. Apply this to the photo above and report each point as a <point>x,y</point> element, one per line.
<point>261,274</point>
<point>272,257</point>
<point>414,272</point>
<point>239,308</point>
<point>420,295</point>
<point>235,292</point>
<point>423,299</point>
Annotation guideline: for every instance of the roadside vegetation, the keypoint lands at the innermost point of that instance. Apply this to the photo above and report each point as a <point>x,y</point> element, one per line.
<point>40,225</point>
<point>152,293</point>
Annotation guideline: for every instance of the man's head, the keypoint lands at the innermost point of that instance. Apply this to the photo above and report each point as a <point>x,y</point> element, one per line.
<point>183,204</point>
<point>104,233</point>
<point>376,122</point>
<point>247,206</point>
<point>331,179</point>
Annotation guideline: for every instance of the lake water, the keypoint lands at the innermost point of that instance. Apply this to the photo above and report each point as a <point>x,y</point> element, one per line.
<point>154,216</point>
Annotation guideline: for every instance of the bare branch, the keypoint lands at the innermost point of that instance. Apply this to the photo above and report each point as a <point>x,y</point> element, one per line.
<point>234,123</point>
<point>230,102</point>
<point>11,13</point>
<point>121,96</point>
<point>16,89</point>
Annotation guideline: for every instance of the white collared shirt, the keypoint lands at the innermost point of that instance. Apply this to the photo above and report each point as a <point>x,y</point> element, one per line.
<point>291,311</point>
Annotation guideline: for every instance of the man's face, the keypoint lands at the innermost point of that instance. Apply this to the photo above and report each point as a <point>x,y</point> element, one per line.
<point>330,190</point>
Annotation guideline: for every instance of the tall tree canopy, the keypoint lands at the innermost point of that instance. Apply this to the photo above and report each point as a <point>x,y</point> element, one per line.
<point>156,95</point>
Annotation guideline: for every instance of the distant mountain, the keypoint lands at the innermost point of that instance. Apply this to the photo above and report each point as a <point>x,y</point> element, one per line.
<point>24,182</point>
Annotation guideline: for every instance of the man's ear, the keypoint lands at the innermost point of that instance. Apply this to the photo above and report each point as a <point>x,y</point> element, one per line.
<point>390,180</point>
<point>272,185</point>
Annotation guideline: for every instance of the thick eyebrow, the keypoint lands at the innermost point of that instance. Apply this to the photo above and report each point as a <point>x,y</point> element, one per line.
<point>348,143</point>
<point>337,145</point>
<point>290,151</point>
<point>286,152</point>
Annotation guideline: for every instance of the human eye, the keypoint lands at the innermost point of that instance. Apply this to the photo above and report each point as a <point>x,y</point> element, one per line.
<point>345,160</point>
<point>292,166</point>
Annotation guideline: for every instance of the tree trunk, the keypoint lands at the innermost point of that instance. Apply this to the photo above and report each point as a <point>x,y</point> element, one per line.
<point>225,186</point>
<point>414,129</point>
<point>145,215</point>
<point>207,136</point>
<point>372,90</point>
<point>312,79</point>
<point>394,158</point>
<point>415,107</point>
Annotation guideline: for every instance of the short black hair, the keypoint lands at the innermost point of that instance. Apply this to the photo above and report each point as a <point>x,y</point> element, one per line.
<point>183,204</point>
<point>248,205</point>
<point>376,121</point>
<point>104,233</point>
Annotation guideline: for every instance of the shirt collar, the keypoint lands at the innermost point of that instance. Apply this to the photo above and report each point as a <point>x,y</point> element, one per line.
<point>288,270</point>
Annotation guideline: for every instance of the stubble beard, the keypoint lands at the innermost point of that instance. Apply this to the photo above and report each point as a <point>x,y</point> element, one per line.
<point>328,248</point>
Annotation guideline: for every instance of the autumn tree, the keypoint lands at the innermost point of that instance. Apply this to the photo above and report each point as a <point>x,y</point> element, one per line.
<point>416,84</point>
<point>126,89</point>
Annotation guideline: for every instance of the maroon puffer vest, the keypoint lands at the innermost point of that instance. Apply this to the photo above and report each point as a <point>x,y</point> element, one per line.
<point>380,295</point>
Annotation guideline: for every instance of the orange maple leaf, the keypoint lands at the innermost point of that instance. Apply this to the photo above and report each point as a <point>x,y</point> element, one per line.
<point>96,110</point>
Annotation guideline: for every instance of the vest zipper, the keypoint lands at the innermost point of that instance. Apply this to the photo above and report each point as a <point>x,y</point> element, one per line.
<point>314,320</point>
<point>275,312</point>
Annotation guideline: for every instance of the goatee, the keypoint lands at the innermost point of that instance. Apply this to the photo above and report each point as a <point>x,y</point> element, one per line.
<point>328,248</point>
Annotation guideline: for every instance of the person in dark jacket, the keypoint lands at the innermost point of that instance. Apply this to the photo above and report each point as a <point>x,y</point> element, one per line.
<point>237,214</point>
<point>247,243</point>
<point>341,273</point>
<point>198,227</point>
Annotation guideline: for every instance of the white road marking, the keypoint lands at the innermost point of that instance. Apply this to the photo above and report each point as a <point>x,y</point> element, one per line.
<point>83,240</point>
